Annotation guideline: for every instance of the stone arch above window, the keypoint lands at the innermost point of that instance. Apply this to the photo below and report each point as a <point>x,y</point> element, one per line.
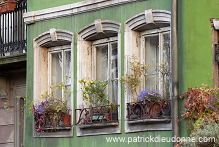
<point>99,29</point>
<point>54,37</point>
<point>150,19</point>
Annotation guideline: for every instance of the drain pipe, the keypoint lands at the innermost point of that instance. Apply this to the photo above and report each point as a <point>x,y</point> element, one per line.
<point>174,67</point>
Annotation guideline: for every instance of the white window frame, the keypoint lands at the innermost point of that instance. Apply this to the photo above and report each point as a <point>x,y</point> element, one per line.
<point>41,45</point>
<point>148,33</point>
<point>106,41</point>
<point>58,49</point>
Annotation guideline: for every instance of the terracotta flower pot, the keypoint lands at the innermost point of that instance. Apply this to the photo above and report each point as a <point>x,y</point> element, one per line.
<point>67,120</point>
<point>7,6</point>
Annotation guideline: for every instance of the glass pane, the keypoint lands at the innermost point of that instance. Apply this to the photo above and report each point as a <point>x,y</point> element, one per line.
<point>56,71</point>
<point>166,65</point>
<point>114,60</point>
<point>67,68</point>
<point>56,67</point>
<point>102,62</point>
<point>152,59</point>
<point>114,72</point>
<point>114,91</point>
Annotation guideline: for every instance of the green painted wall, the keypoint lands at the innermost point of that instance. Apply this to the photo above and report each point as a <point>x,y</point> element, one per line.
<point>195,45</point>
<point>34,5</point>
<point>74,24</point>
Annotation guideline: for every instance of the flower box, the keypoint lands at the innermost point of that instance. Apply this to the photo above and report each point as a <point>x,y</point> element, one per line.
<point>154,109</point>
<point>97,115</point>
<point>51,121</point>
<point>7,6</point>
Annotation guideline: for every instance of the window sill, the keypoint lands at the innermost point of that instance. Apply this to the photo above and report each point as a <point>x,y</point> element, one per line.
<point>51,132</point>
<point>98,125</point>
<point>151,121</point>
<point>55,129</point>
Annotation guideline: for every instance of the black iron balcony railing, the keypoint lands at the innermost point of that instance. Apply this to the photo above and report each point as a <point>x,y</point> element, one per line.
<point>13,31</point>
<point>96,115</point>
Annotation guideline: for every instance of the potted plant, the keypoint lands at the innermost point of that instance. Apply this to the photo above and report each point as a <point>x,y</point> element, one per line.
<point>133,79</point>
<point>202,115</point>
<point>53,111</point>
<point>6,6</point>
<point>100,110</point>
<point>200,102</point>
<point>94,92</point>
<point>157,106</point>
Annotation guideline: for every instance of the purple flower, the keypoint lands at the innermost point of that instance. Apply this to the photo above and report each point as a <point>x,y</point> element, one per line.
<point>40,109</point>
<point>148,95</point>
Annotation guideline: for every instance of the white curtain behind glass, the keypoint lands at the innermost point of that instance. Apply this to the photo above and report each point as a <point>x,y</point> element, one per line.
<point>114,72</point>
<point>102,63</point>
<point>56,70</point>
<point>152,59</point>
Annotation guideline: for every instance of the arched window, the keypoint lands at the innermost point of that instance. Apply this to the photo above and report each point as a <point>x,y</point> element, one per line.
<point>147,37</point>
<point>99,48</point>
<point>98,59</point>
<point>53,63</point>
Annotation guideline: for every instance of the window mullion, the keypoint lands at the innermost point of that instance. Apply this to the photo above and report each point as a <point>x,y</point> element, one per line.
<point>109,71</point>
<point>160,63</point>
<point>94,63</point>
<point>49,70</point>
<point>63,63</point>
<point>143,57</point>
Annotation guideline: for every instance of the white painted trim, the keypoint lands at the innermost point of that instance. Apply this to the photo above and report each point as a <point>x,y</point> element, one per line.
<point>107,26</point>
<point>71,9</point>
<point>150,19</point>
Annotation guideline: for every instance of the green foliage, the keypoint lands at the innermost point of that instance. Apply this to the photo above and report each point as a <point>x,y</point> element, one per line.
<point>208,130</point>
<point>94,92</point>
<point>202,108</point>
<point>134,79</point>
<point>197,103</point>
<point>54,104</point>
<point>55,100</point>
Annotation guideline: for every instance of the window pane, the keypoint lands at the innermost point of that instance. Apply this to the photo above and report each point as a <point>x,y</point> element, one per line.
<point>56,71</point>
<point>114,72</point>
<point>67,68</point>
<point>166,65</point>
<point>151,59</point>
<point>56,67</point>
<point>102,62</point>
<point>114,60</point>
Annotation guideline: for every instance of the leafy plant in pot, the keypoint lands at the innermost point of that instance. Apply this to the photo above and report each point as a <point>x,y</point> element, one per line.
<point>93,92</point>
<point>133,79</point>
<point>150,99</point>
<point>54,110</point>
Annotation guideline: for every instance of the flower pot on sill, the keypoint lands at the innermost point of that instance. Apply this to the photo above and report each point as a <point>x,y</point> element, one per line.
<point>67,120</point>
<point>7,6</point>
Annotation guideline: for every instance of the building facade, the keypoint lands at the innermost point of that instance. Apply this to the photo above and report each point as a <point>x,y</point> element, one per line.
<point>96,40</point>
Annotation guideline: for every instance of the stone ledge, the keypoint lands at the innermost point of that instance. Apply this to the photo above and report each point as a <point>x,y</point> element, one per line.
<point>13,58</point>
<point>98,125</point>
<point>71,9</point>
<point>162,120</point>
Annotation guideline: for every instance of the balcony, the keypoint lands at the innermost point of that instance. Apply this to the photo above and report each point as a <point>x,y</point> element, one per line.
<point>13,31</point>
